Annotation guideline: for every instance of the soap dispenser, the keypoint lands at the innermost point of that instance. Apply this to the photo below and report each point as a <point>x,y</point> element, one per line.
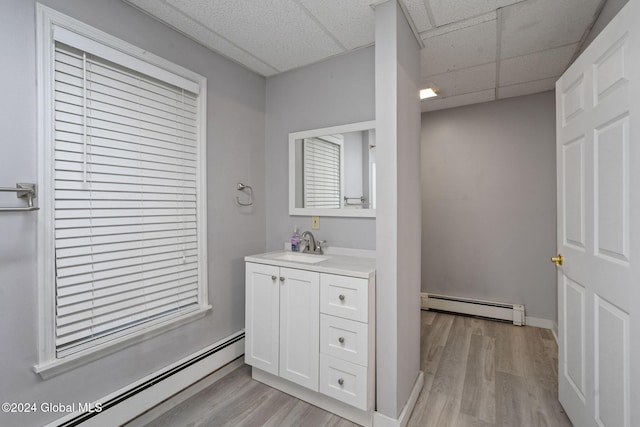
<point>295,240</point>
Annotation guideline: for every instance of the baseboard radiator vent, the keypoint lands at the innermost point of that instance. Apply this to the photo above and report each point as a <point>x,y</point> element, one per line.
<point>149,382</point>
<point>489,309</point>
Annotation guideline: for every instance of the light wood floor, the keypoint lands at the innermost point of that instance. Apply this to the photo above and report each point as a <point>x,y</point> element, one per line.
<point>477,373</point>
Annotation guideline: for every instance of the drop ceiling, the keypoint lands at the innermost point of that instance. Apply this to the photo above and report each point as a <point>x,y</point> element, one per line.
<point>474,50</point>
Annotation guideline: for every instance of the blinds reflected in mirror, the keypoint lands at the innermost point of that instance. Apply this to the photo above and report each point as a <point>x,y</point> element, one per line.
<point>322,160</point>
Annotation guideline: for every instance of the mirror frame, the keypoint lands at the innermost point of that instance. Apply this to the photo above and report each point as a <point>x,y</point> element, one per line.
<point>342,212</point>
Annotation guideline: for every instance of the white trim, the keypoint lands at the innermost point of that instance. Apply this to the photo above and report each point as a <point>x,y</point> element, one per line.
<point>51,17</point>
<point>45,234</point>
<point>351,213</point>
<point>80,41</point>
<point>351,413</point>
<point>54,367</point>
<point>137,404</point>
<point>49,24</point>
<point>201,191</point>
<point>351,127</point>
<point>539,322</point>
<point>381,420</point>
<point>554,331</point>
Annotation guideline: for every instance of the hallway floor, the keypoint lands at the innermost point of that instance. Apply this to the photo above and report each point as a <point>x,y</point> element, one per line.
<point>477,373</point>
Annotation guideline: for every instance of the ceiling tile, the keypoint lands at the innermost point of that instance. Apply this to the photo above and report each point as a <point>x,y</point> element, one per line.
<point>527,88</point>
<point>537,40</point>
<point>536,25</point>
<point>536,66</point>
<point>278,29</point>
<point>354,26</point>
<point>202,35</point>
<point>473,79</point>
<point>444,29</point>
<point>448,11</point>
<point>464,48</point>
<point>418,14</point>
<point>434,104</point>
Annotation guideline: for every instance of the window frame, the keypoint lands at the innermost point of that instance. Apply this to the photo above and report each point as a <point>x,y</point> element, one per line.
<point>47,22</point>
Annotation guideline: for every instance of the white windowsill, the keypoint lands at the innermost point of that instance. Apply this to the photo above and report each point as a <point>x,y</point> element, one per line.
<point>54,367</point>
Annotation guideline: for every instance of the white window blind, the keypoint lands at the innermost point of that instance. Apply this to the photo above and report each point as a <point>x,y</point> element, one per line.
<point>126,190</point>
<point>322,173</point>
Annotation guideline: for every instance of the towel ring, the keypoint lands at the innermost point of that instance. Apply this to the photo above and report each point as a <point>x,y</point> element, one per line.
<point>243,187</point>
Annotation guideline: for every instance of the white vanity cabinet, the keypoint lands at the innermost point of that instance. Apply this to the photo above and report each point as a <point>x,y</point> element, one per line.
<point>310,332</point>
<point>346,339</point>
<point>282,325</point>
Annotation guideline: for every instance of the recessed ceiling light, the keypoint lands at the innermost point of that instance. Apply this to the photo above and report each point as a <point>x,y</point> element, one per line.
<point>428,93</point>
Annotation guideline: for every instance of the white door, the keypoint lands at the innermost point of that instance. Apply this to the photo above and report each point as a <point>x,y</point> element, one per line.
<point>262,323</point>
<point>598,161</point>
<point>300,327</point>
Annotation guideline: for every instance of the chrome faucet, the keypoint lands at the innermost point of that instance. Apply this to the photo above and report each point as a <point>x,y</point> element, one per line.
<point>311,245</point>
<point>310,242</point>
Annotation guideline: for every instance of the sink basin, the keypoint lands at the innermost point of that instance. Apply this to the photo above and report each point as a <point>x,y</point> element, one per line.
<point>304,258</point>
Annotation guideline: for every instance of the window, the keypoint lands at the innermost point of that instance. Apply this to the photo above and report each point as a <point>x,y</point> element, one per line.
<point>122,191</point>
<point>322,168</point>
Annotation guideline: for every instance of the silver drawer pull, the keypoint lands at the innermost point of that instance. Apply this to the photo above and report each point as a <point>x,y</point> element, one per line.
<point>341,297</point>
<point>282,279</point>
<point>340,381</point>
<point>341,340</point>
<point>274,277</point>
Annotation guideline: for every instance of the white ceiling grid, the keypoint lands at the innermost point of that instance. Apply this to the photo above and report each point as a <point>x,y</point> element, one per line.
<point>475,50</point>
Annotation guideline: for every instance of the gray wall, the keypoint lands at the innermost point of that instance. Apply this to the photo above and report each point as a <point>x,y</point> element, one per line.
<point>236,122</point>
<point>337,91</point>
<point>398,214</point>
<point>489,202</point>
<point>610,9</point>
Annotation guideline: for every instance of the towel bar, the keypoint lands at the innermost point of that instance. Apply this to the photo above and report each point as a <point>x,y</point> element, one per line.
<point>23,191</point>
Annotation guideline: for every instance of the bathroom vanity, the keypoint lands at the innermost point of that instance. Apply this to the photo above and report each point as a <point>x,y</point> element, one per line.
<point>310,328</point>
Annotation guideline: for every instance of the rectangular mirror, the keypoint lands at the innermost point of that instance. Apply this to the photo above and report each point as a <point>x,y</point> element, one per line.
<point>332,171</point>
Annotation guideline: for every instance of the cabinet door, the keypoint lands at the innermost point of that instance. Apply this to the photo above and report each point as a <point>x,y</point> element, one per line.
<point>262,307</point>
<point>300,327</point>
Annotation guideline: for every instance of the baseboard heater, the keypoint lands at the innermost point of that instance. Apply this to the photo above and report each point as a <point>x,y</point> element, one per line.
<point>489,309</point>
<point>150,382</point>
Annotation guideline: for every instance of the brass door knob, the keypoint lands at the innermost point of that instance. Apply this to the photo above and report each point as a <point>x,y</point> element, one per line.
<point>557,260</point>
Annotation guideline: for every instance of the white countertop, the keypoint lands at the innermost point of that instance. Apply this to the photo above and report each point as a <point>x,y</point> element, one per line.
<point>345,265</point>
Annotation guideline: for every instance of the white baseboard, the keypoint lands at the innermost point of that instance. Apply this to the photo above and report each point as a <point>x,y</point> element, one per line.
<point>146,399</point>
<point>539,323</point>
<point>381,420</point>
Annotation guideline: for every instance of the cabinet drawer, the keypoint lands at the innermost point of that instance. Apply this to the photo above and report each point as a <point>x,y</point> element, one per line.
<point>344,381</point>
<point>344,339</point>
<point>344,296</point>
